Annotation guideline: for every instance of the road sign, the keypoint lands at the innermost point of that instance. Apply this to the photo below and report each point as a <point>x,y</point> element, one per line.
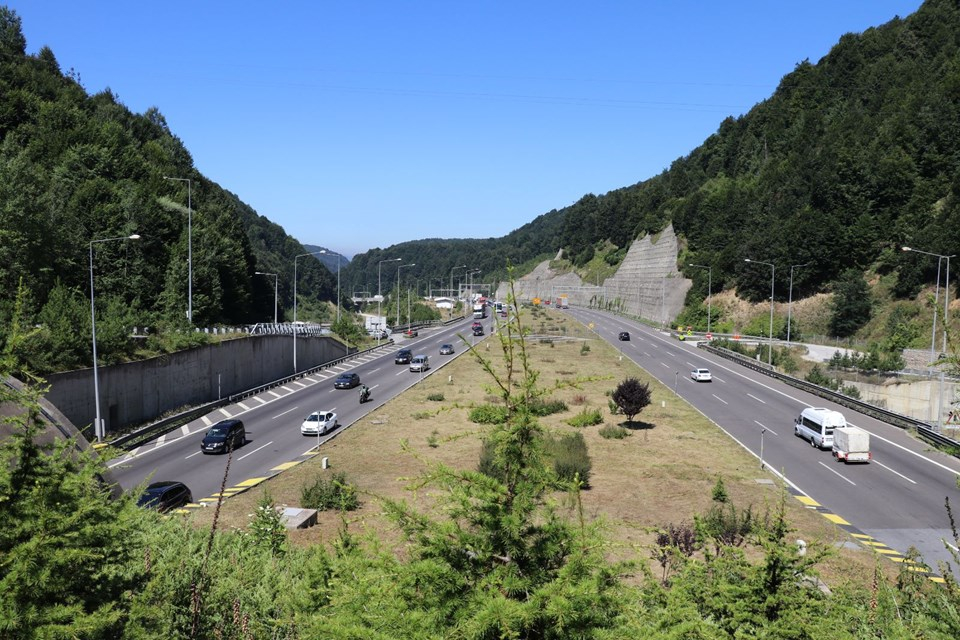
<point>709,336</point>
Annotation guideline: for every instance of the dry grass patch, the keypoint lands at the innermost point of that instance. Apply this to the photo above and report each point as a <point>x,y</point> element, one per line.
<point>659,474</point>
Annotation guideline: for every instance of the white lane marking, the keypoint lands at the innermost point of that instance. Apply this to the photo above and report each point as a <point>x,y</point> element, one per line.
<point>719,398</point>
<point>896,472</point>
<point>133,452</point>
<point>375,370</point>
<point>274,394</point>
<point>193,454</point>
<point>243,406</point>
<point>400,373</point>
<point>666,365</point>
<point>259,399</point>
<point>767,428</point>
<point>287,389</point>
<point>225,412</point>
<point>185,429</point>
<point>757,399</point>
<point>207,421</point>
<point>161,440</point>
<point>838,473</point>
<point>255,450</point>
<point>284,413</point>
<point>300,384</point>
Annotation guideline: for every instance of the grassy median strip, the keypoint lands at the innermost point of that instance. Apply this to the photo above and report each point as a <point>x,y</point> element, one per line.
<point>663,472</point>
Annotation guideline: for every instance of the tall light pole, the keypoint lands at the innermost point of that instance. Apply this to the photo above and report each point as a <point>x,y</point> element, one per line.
<point>262,273</point>
<point>773,274</point>
<point>189,245</point>
<point>709,288</point>
<point>98,429</point>
<point>295,258</point>
<point>463,266</point>
<point>946,318</point>
<point>399,267</point>
<point>469,276</point>
<point>379,294</point>
<point>790,297</point>
<point>338,282</point>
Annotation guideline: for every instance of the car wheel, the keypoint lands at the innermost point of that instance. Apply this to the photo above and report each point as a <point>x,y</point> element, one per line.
<point>813,443</point>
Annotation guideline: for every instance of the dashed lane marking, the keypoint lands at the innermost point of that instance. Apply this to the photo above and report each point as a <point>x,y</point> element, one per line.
<point>206,421</point>
<point>225,412</point>
<point>243,406</point>
<point>274,394</point>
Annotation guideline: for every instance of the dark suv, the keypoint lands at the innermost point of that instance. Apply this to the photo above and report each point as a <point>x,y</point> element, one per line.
<point>223,436</point>
<point>403,356</point>
<point>165,496</point>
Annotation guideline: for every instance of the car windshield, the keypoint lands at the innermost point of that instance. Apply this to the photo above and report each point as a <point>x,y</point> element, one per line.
<point>218,431</point>
<point>313,417</point>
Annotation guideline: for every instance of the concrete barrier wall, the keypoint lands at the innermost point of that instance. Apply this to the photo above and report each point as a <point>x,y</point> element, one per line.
<point>136,392</point>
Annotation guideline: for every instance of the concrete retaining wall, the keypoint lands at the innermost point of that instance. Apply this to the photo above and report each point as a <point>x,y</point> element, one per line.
<point>137,392</point>
<point>918,400</point>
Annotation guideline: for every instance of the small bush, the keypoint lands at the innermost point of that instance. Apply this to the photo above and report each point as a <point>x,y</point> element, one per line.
<point>613,432</point>
<point>422,415</point>
<point>570,458</point>
<point>579,399</point>
<point>586,418</point>
<point>488,414</point>
<point>547,407</point>
<point>435,397</point>
<point>432,439</point>
<point>584,349</point>
<point>335,493</point>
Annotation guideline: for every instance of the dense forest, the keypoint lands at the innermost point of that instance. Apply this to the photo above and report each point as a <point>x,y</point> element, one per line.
<point>76,169</point>
<point>848,160</point>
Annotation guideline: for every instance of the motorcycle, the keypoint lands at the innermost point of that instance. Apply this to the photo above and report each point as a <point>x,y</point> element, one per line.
<point>364,395</point>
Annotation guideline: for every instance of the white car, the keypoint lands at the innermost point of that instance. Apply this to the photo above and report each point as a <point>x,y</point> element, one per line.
<point>701,375</point>
<point>319,423</point>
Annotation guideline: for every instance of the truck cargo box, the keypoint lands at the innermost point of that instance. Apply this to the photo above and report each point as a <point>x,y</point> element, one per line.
<point>851,444</point>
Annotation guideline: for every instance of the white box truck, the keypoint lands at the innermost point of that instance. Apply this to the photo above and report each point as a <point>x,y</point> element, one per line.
<point>851,444</point>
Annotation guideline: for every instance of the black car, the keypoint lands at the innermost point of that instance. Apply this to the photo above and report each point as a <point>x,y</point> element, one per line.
<point>165,496</point>
<point>624,335</point>
<point>223,436</point>
<point>403,356</point>
<point>478,330</point>
<point>346,381</point>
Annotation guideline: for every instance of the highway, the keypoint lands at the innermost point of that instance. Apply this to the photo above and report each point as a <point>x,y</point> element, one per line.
<point>894,502</point>
<point>272,420</point>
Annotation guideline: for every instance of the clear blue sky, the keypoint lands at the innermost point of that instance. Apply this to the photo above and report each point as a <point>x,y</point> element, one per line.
<point>357,125</point>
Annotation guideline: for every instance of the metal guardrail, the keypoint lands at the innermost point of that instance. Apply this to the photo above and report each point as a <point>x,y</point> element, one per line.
<point>924,430</point>
<point>136,438</point>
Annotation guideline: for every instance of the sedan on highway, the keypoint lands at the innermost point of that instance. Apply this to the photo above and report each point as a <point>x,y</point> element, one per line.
<point>319,423</point>
<point>226,435</point>
<point>346,381</point>
<point>446,349</point>
<point>624,336</point>
<point>701,375</point>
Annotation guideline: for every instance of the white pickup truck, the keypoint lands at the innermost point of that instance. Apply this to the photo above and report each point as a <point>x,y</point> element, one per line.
<point>851,444</point>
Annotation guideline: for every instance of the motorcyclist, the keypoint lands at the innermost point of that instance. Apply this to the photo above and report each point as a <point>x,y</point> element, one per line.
<point>364,393</point>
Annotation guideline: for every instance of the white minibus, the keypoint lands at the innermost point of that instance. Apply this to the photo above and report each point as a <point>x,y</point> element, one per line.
<point>816,424</point>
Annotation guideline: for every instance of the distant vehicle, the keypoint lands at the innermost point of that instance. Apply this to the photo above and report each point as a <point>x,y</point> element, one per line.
<point>403,356</point>
<point>419,364</point>
<point>851,444</point>
<point>817,425</point>
<point>478,329</point>
<point>479,311</point>
<point>446,349</point>
<point>378,333</point>
<point>165,496</point>
<point>346,381</point>
<point>701,375</point>
<point>319,423</point>
<point>624,336</point>
<point>223,436</point>
<point>562,302</point>
<point>411,333</point>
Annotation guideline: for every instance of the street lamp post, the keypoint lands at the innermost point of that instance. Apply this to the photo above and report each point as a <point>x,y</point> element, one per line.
<point>790,297</point>
<point>189,245</point>
<point>946,319</point>
<point>98,429</point>
<point>263,273</point>
<point>338,281</point>
<point>773,273</point>
<point>463,266</point>
<point>379,294</point>
<point>295,258</point>
<point>399,267</point>
<point>709,289</point>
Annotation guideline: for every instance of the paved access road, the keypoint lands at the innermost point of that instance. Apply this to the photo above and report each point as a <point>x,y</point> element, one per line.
<point>272,420</point>
<point>894,502</point>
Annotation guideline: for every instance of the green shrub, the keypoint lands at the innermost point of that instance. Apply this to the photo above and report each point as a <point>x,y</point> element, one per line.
<point>488,414</point>
<point>422,415</point>
<point>335,493</point>
<point>584,349</point>
<point>570,458</point>
<point>432,439</point>
<point>586,418</point>
<point>547,407</point>
<point>614,432</point>
<point>488,462</point>
<point>435,397</point>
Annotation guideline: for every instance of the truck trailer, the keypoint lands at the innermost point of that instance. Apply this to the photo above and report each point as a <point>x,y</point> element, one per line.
<point>851,444</point>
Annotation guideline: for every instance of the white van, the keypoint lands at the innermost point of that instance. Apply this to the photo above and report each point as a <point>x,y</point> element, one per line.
<point>816,424</point>
<point>420,364</point>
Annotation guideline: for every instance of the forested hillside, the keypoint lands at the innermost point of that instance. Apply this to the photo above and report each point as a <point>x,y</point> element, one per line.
<point>75,168</point>
<point>848,160</point>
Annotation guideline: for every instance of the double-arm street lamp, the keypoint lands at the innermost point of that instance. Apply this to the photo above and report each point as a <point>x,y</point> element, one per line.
<point>463,266</point>
<point>946,318</point>
<point>790,297</point>
<point>380,293</point>
<point>399,267</point>
<point>189,245</point>
<point>773,273</point>
<point>709,288</point>
<point>98,425</point>
<point>295,258</point>
<point>262,273</point>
